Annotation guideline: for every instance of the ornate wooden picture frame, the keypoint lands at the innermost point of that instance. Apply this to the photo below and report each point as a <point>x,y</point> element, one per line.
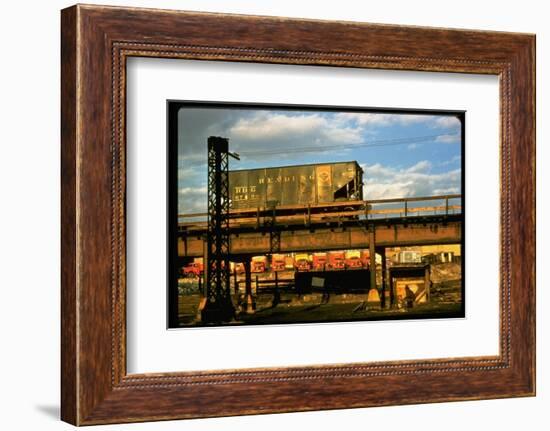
<point>96,41</point>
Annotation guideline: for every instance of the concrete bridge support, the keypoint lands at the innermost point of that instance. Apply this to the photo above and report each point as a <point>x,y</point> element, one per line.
<point>384,270</point>
<point>373,296</point>
<point>249,305</point>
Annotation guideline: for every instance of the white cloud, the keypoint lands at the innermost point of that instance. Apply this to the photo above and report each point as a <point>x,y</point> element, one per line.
<point>448,139</point>
<point>375,119</point>
<point>286,129</point>
<point>382,182</point>
<point>186,191</point>
<point>364,118</point>
<point>266,126</point>
<point>377,171</point>
<point>421,166</point>
<point>188,170</point>
<point>447,191</point>
<point>192,200</point>
<point>414,119</point>
<point>453,160</point>
<point>447,122</point>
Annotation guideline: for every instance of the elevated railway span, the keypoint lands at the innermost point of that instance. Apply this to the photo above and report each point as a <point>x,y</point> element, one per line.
<point>336,226</point>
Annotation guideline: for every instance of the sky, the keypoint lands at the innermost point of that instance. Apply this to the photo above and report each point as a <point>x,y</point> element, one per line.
<point>402,155</point>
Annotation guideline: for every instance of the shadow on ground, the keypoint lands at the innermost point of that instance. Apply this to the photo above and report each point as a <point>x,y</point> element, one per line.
<point>49,410</point>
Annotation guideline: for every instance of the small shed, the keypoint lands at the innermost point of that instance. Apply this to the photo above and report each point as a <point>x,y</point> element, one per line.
<point>416,277</point>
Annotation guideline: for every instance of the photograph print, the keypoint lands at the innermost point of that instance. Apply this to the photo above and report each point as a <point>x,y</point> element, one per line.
<point>286,214</point>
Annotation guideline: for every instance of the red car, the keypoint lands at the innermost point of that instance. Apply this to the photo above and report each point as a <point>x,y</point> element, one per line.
<point>278,262</point>
<point>319,261</point>
<point>301,262</point>
<point>336,260</point>
<point>194,269</point>
<point>259,264</point>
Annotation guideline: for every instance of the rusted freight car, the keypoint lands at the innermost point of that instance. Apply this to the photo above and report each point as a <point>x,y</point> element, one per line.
<point>295,185</point>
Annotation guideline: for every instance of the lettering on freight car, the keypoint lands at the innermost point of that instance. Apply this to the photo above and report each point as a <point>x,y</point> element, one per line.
<point>240,193</point>
<point>243,193</point>
<point>240,197</point>
<point>284,179</point>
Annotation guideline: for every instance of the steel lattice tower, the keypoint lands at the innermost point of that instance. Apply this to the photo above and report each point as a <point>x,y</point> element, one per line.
<point>218,306</point>
<point>274,233</point>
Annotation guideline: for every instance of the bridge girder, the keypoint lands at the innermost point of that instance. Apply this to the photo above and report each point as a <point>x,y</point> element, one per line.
<point>405,233</point>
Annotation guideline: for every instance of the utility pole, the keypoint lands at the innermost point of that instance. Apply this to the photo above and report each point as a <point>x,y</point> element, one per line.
<point>218,306</point>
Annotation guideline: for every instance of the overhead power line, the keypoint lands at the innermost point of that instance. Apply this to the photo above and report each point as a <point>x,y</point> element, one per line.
<point>426,139</point>
<point>374,143</point>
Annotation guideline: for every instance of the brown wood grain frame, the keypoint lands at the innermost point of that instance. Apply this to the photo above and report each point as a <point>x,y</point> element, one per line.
<point>96,41</point>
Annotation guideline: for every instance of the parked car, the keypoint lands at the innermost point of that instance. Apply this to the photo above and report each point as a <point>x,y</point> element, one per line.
<point>336,261</point>
<point>302,262</point>
<point>259,264</point>
<point>353,259</point>
<point>319,261</point>
<point>194,269</point>
<point>278,262</point>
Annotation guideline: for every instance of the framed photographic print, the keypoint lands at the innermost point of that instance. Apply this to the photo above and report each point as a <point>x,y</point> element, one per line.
<point>303,243</point>
<point>286,212</point>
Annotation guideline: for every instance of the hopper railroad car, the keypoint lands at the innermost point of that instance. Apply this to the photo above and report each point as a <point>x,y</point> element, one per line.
<point>295,185</point>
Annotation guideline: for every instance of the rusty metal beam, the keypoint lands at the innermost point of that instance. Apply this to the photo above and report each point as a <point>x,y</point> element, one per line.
<point>347,237</point>
<point>323,207</point>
